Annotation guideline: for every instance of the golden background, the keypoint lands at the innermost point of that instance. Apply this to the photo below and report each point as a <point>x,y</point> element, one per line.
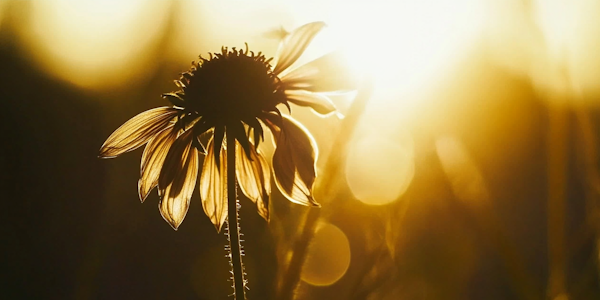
<point>466,167</point>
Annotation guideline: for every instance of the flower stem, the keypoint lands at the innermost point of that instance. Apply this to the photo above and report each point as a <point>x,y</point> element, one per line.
<point>234,229</point>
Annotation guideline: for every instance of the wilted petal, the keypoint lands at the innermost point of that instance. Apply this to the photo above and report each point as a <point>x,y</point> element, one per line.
<point>254,177</point>
<point>294,161</point>
<point>153,159</point>
<point>213,186</point>
<point>321,104</point>
<point>137,131</point>
<point>294,45</point>
<point>329,73</point>
<point>182,160</point>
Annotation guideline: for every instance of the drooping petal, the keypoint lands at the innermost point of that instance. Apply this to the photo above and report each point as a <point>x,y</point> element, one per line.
<point>328,73</point>
<point>294,161</point>
<point>201,128</point>
<point>218,137</point>
<point>213,186</point>
<point>153,159</point>
<point>257,130</point>
<point>294,45</point>
<point>137,131</point>
<point>320,103</point>
<point>182,160</point>
<point>175,98</point>
<point>239,133</point>
<point>175,159</point>
<point>254,178</point>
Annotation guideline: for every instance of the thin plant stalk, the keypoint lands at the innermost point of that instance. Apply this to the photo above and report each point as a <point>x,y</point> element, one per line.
<point>588,154</point>
<point>291,277</point>
<point>233,225</point>
<point>557,169</point>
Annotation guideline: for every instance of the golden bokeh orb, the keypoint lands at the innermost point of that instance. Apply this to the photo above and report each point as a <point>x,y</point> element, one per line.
<point>328,256</point>
<point>379,169</point>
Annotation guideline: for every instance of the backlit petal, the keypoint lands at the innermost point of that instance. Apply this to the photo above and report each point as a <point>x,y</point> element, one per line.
<point>329,73</point>
<point>218,137</point>
<point>254,178</point>
<point>320,103</point>
<point>175,197</point>
<point>153,159</point>
<point>137,131</point>
<point>175,159</point>
<point>294,161</point>
<point>213,186</point>
<point>294,44</point>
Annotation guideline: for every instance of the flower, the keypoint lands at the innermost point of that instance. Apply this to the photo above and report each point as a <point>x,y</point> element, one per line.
<point>235,92</point>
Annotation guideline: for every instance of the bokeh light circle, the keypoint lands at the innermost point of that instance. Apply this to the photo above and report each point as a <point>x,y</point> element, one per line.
<point>328,256</point>
<point>379,169</point>
<point>94,43</point>
<point>2,5</point>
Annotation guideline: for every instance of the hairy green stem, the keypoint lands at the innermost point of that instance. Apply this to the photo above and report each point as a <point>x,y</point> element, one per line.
<point>233,225</point>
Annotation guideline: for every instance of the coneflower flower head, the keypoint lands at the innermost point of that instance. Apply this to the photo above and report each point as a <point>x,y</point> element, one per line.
<point>237,93</point>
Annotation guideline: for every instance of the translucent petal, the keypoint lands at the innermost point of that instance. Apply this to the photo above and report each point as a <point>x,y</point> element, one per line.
<point>292,47</point>
<point>237,130</point>
<point>137,131</point>
<point>254,177</point>
<point>328,73</point>
<point>294,161</point>
<point>153,159</point>
<point>175,197</point>
<point>213,186</point>
<point>320,103</point>
<point>257,130</point>
<point>218,137</point>
<point>201,128</point>
<point>175,159</point>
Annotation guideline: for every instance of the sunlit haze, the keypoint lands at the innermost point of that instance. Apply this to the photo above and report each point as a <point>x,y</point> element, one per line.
<point>441,149</point>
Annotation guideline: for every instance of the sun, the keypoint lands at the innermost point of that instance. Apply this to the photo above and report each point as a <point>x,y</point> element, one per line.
<point>403,45</point>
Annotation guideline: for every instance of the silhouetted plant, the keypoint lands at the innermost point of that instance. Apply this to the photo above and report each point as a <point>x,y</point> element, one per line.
<point>228,99</point>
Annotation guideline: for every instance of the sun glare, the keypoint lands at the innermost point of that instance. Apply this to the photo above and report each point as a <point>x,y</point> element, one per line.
<point>571,31</point>
<point>402,44</point>
<point>207,25</point>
